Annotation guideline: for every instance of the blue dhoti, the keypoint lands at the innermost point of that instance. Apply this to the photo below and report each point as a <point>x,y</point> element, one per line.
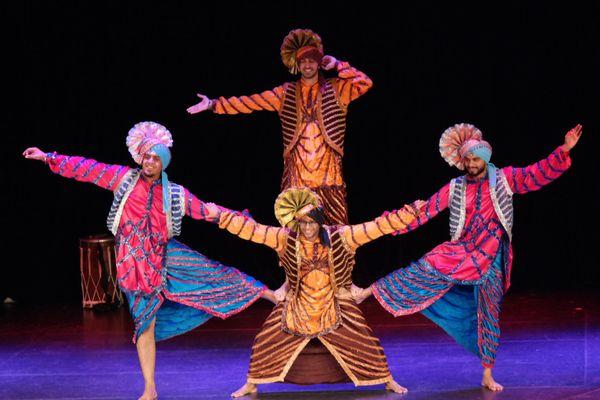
<point>469,313</point>
<point>195,289</point>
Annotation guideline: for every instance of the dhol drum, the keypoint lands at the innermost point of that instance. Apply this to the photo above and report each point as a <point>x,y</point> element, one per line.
<point>98,271</point>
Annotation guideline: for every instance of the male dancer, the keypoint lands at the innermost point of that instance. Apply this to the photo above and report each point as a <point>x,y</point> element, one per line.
<point>459,284</point>
<point>318,261</point>
<point>170,288</point>
<point>313,112</point>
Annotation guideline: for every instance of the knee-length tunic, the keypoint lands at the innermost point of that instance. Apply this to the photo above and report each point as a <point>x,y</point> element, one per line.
<point>318,305</point>
<point>314,123</point>
<point>460,283</point>
<point>160,276</point>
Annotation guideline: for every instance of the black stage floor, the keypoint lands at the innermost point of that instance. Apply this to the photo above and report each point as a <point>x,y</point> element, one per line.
<point>550,349</point>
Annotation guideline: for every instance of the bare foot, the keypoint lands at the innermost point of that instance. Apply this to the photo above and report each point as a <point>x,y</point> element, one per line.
<point>359,294</point>
<point>488,381</point>
<point>248,388</point>
<point>269,295</point>
<point>395,387</point>
<point>149,394</point>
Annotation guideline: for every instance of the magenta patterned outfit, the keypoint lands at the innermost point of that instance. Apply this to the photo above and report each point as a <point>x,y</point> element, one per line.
<point>161,277</point>
<point>459,284</point>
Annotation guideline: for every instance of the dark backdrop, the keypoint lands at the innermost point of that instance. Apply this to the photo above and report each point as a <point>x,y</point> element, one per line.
<point>84,73</point>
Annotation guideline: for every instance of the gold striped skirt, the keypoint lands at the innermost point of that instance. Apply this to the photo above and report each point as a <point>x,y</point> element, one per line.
<point>349,353</point>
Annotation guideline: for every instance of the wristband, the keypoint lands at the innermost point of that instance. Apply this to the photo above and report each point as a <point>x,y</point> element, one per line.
<point>49,156</point>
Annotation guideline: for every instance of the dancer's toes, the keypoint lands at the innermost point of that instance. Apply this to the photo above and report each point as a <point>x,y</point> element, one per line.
<point>395,387</point>
<point>149,394</point>
<point>248,388</point>
<point>488,382</point>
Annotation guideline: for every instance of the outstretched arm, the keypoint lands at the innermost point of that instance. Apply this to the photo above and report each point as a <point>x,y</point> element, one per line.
<point>82,169</point>
<point>246,228</point>
<point>350,83</point>
<point>200,210</point>
<point>432,207</point>
<point>535,176</point>
<point>269,100</point>
<point>357,235</point>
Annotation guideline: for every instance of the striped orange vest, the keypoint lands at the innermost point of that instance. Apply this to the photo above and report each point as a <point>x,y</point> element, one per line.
<point>330,113</point>
<point>341,261</point>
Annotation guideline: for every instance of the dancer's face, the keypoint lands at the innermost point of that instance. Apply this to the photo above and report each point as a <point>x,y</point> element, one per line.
<point>475,166</point>
<point>308,68</point>
<point>309,228</point>
<point>151,166</point>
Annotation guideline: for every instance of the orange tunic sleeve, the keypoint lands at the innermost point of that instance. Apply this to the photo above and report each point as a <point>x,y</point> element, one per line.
<point>269,100</point>
<point>351,83</point>
<point>248,229</point>
<point>357,235</point>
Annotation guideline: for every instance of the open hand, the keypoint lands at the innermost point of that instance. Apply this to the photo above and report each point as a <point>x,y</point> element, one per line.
<point>572,137</point>
<point>204,105</point>
<point>328,62</point>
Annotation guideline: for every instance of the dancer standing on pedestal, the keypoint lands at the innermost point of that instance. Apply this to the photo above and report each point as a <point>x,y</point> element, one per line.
<point>313,113</point>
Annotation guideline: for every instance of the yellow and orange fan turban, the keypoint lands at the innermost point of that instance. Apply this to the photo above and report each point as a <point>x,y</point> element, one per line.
<point>299,39</point>
<point>294,202</point>
<point>452,141</point>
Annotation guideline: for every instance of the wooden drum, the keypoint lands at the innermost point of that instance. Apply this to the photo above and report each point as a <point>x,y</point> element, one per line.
<point>98,271</point>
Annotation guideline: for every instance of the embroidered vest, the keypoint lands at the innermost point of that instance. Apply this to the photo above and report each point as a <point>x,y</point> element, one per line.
<point>501,199</point>
<point>341,261</point>
<point>330,114</point>
<point>122,193</point>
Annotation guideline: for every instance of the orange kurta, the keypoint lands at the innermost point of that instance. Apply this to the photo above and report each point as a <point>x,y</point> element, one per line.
<point>317,307</point>
<point>312,311</point>
<point>312,163</point>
